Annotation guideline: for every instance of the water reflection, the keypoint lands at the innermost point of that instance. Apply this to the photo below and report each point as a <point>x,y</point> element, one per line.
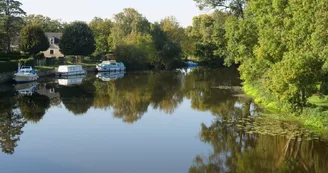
<point>26,89</point>
<point>236,150</point>
<point>71,80</point>
<point>241,141</point>
<point>11,123</point>
<point>110,76</point>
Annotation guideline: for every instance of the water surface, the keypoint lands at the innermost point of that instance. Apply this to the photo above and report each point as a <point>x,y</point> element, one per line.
<point>190,120</point>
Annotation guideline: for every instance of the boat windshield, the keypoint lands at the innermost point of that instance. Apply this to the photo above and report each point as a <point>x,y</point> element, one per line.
<point>27,71</point>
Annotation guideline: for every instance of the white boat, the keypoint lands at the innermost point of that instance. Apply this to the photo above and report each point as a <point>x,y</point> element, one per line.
<point>111,65</point>
<point>25,74</point>
<point>110,76</point>
<point>70,70</point>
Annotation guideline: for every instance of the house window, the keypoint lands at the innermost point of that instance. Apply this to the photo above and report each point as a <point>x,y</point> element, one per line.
<point>52,52</point>
<point>52,40</point>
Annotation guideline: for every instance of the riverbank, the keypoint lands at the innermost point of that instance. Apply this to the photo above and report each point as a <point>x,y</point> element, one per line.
<point>42,71</point>
<point>313,116</point>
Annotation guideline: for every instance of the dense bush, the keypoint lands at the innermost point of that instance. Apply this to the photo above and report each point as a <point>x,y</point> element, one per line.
<point>132,56</point>
<point>8,66</point>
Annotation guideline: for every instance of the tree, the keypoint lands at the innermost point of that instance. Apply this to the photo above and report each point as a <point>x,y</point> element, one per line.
<point>135,51</point>
<point>10,20</point>
<point>174,31</point>
<point>77,39</point>
<point>127,22</point>
<point>33,40</point>
<point>208,35</point>
<point>282,50</point>
<point>46,23</point>
<point>168,52</point>
<point>101,29</point>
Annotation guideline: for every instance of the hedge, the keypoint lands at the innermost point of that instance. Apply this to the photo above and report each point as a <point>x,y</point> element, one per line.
<point>8,66</point>
<point>7,56</point>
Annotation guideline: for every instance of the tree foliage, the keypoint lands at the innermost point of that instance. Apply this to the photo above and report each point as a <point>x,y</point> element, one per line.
<point>208,35</point>
<point>46,23</point>
<point>282,46</point>
<point>127,22</point>
<point>10,21</point>
<point>77,39</point>
<point>101,29</point>
<point>33,39</point>
<point>140,44</point>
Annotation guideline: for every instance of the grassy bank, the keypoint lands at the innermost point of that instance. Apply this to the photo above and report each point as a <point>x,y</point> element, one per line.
<point>314,116</point>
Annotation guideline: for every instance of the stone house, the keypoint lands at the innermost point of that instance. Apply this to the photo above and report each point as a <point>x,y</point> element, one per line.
<point>54,39</point>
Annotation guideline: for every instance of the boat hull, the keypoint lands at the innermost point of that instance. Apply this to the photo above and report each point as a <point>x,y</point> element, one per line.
<point>25,79</point>
<point>73,73</point>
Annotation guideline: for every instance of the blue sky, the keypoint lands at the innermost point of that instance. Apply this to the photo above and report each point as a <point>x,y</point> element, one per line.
<point>85,10</point>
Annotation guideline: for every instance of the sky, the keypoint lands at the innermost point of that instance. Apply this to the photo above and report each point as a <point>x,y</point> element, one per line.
<point>86,10</point>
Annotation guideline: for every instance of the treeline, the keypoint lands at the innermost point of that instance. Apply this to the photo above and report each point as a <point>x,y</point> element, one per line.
<point>281,47</point>
<point>138,42</point>
<point>129,35</point>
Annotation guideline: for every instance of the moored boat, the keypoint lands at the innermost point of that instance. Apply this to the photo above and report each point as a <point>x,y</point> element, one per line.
<point>112,65</point>
<point>25,74</point>
<point>70,70</point>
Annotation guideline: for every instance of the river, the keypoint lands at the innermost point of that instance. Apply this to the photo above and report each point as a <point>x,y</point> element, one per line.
<point>189,120</point>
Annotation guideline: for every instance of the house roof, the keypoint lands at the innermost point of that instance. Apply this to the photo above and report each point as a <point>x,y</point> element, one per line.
<point>54,34</point>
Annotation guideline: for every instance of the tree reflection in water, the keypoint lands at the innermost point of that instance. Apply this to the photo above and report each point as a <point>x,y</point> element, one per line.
<point>11,124</point>
<point>240,142</point>
<point>33,107</point>
<point>77,98</point>
<point>270,146</point>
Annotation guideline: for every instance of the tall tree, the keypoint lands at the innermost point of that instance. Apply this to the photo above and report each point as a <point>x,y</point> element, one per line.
<point>10,20</point>
<point>208,35</point>
<point>77,39</point>
<point>167,44</point>
<point>46,23</point>
<point>101,29</point>
<point>33,39</point>
<point>127,22</point>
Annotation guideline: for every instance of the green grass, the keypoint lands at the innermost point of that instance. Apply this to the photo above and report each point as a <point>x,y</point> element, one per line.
<point>44,68</point>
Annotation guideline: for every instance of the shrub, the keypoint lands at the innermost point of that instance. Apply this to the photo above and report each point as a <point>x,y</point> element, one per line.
<point>39,56</point>
<point>70,59</point>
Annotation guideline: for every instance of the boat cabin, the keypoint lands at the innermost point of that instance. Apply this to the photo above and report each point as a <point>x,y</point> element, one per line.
<point>70,70</point>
